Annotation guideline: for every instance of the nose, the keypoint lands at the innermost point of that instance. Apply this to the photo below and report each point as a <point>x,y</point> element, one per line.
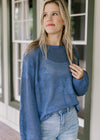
<point>49,17</point>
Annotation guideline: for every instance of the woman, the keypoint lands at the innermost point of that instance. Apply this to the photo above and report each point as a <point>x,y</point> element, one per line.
<point>51,80</point>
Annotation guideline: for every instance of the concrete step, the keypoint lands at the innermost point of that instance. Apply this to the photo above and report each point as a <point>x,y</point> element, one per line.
<point>7,133</point>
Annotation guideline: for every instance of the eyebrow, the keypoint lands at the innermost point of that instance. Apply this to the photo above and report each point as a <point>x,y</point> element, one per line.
<point>51,12</point>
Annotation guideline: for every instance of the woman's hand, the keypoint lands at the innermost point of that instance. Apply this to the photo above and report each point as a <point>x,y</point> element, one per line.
<point>77,71</point>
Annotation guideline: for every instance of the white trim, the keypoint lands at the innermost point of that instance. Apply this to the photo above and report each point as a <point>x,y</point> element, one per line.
<point>25,20</point>
<point>19,60</point>
<point>22,41</point>
<point>76,15</point>
<point>81,122</point>
<point>19,78</point>
<point>13,7</point>
<point>18,1</point>
<point>77,42</point>
<point>86,21</point>
<point>22,25</point>
<point>0,91</point>
<point>69,6</point>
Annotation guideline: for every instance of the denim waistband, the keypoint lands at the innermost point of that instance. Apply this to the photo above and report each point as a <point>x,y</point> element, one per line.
<point>68,109</point>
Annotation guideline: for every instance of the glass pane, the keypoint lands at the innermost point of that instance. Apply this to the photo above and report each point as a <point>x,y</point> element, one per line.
<point>81,100</point>
<point>18,11</point>
<point>18,30</point>
<point>78,6</point>
<point>28,9</point>
<point>23,48</point>
<point>78,27</point>
<point>23,21</point>
<point>19,69</point>
<point>19,51</point>
<point>28,30</point>
<point>82,55</point>
<point>19,82</point>
<point>67,2</point>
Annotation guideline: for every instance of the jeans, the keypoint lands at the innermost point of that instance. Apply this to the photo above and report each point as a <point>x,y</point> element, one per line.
<point>61,125</point>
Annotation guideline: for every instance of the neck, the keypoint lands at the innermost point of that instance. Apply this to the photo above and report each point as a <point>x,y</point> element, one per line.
<point>54,40</point>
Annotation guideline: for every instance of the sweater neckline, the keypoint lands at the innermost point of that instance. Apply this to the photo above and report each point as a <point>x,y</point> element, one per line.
<point>55,46</point>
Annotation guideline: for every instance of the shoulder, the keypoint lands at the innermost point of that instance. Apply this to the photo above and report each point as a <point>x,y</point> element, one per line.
<point>32,53</point>
<point>31,56</point>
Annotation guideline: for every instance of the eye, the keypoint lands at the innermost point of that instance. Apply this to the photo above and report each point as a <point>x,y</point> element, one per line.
<point>45,15</point>
<point>54,14</point>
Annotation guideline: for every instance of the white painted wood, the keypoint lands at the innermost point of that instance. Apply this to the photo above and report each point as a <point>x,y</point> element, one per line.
<point>2,109</point>
<point>5,51</point>
<point>77,42</point>
<point>76,15</point>
<point>81,122</point>
<point>39,9</point>
<point>22,41</point>
<point>86,21</point>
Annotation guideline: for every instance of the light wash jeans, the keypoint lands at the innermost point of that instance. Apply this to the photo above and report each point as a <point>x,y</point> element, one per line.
<point>62,125</point>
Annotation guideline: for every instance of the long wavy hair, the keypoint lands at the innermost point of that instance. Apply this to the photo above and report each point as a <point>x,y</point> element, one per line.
<point>66,33</point>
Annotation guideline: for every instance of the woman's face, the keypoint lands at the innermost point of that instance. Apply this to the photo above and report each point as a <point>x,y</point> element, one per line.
<point>52,20</point>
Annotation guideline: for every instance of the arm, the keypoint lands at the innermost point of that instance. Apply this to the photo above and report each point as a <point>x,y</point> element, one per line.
<point>80,77</point>
<point>29,117</point>
<point>81,85</point>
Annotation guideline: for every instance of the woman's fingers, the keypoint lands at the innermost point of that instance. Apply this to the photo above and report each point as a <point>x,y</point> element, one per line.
<point>77,71</point>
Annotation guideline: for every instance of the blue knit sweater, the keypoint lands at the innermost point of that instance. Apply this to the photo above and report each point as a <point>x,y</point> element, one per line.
<point>46,87</point>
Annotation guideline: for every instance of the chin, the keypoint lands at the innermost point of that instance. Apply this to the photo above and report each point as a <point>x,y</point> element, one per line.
<point>50,32</point>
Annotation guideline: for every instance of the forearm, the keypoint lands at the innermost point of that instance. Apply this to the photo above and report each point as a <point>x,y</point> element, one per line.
<point>81,85</point>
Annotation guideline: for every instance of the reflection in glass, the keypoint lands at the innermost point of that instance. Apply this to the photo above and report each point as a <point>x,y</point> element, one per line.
<point>19,69</point>
<point>28,30</point>
<point>18,30</point>
<point>19,82</point>
<point>82,55</point>
<point>78,6</point>
<point>23,48</point>
<point>18,11</point>
<point>28,9</point>
<point>23,20</point>
<point>81,100</point>
<point>78,27</point>
<point>19,51</point>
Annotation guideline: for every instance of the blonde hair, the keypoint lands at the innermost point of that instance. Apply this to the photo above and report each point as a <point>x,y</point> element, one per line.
<point>66,33</point>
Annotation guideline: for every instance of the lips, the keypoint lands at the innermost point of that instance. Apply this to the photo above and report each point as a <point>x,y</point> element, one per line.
<point>51,25</point>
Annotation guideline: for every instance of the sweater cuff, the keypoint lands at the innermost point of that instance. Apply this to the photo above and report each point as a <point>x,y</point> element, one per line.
<point>81,85</point>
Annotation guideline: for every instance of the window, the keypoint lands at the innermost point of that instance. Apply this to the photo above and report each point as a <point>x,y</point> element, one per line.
<point>23,32</point>
<point>78,13</point>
